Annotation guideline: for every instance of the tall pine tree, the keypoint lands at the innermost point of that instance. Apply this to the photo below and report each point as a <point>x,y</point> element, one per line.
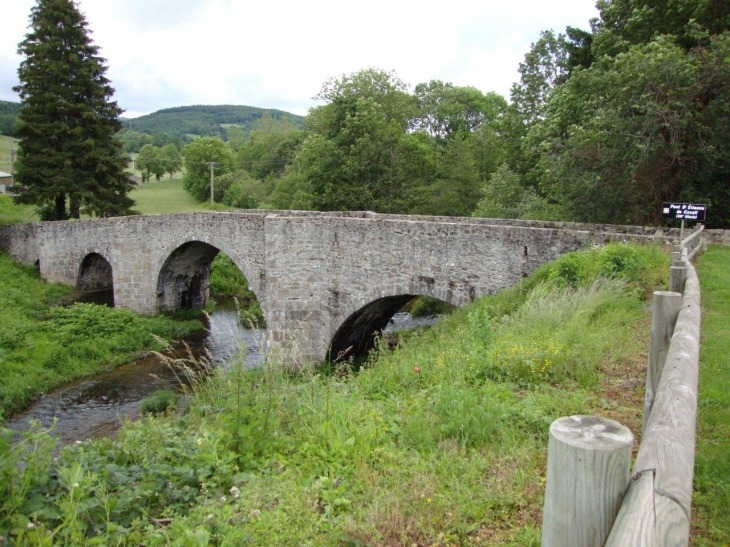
<point>68,159</point>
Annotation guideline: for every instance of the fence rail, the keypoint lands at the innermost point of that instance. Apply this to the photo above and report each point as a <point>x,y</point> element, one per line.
<point>654,507</point>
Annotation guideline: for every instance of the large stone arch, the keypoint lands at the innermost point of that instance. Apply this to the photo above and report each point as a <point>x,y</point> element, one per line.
<point>249,271</point>
<point>368,313</point>
<point>95,272</point>
<point>183,275</point>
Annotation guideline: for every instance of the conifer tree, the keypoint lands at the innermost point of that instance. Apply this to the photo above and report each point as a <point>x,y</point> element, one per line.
<point>68,158</point>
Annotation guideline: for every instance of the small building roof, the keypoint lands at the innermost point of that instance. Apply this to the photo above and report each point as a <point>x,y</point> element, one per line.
<point>3,174</point>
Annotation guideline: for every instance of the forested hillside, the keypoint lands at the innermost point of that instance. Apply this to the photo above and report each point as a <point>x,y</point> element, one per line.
<point>183,122</point>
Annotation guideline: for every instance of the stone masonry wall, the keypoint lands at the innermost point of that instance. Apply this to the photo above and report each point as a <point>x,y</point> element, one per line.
<point>320,270</point>
<point>311,270</point>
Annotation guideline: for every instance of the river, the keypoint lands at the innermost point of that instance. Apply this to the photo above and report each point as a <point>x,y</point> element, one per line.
<point>94,407</point>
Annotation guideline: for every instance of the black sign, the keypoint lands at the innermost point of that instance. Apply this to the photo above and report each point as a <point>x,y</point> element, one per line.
<point>684,211</point>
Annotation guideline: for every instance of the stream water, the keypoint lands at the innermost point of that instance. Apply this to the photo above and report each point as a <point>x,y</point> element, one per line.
<point>94,407</point>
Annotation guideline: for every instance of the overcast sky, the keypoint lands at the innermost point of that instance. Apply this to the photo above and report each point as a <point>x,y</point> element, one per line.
<point>277,53</point>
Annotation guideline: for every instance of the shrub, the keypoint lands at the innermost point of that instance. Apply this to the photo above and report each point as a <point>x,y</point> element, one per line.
<point>159,402</point>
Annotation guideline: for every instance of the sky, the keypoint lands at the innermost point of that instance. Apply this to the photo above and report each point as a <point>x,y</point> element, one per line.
<point>277,53</point>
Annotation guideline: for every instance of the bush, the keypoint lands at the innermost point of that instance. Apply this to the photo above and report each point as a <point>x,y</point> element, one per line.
<point>159,402</point>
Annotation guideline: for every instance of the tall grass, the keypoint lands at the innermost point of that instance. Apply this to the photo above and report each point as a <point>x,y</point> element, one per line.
<point>439,442</point>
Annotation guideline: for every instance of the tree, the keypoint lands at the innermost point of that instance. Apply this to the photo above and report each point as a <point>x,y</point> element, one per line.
<point>545,67</point>
<point>446,109</point>
<point>151,161</point>
<point>69,158</point>
<point>504,196</point>
<point>197,157</point>
<point>648,126</point>
<point>172,159</point>
<point>271,146</point>
<point>624,23</point>
<point>358,153</point>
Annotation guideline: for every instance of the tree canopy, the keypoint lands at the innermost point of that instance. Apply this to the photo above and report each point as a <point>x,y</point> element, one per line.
<point>68,158</point>
<point>604,125</point>
<point>197,157</point>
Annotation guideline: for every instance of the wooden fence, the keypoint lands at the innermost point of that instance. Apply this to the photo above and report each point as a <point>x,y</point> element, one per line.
<point>591,497</point>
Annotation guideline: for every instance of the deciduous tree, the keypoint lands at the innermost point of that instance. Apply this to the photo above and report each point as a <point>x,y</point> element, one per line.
<point>197,158</point>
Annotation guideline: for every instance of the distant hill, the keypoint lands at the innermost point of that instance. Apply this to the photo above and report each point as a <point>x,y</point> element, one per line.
<point>203,120</point>
<point>8,117</point>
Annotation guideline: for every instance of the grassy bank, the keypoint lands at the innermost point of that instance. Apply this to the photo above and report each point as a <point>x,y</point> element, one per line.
<point>439,442</point>
<point>43,346</point>
<point>711,501</point>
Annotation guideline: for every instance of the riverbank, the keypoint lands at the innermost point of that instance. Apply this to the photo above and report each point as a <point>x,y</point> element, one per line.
<point>44,345</point>
<point>439,442</point>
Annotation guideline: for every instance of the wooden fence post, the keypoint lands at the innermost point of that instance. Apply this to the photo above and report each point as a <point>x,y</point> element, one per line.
<point>587,475</point>
<point>664,310</point>
<point>677,277</point>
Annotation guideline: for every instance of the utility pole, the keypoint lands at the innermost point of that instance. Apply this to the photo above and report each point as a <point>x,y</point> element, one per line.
<point>212,179</point>
<point>12,163</point>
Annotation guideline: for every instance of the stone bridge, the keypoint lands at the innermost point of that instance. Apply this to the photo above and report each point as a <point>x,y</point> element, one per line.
<point>326,282</point>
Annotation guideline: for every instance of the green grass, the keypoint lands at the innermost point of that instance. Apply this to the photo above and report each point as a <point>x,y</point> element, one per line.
<point>439,442</point>
<point>168,196</point>
<point>43,346</point>
<point>11,213</point>
<point>711,514</point>
<point>159,402</point>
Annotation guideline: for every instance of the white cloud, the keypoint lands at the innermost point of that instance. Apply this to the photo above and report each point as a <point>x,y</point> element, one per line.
<point>164,53</point>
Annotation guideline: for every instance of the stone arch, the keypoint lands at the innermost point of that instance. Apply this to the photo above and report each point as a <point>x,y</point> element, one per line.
<point>252,275</point>
<point>370,312</point>
<point>95,274</point>
<point>183,279</point>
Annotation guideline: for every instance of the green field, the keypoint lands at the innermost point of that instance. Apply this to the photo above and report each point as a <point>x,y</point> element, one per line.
<point>168,196</point>
<point>5,142</point>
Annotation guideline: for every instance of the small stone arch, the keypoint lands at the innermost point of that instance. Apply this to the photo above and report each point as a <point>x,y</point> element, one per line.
<point>369,314</point>
<point>95,274</point>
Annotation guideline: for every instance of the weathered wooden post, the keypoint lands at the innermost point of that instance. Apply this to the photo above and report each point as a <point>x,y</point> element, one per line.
<point>587,475</point>
<point>664,310</point>
<point>677,278</point>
